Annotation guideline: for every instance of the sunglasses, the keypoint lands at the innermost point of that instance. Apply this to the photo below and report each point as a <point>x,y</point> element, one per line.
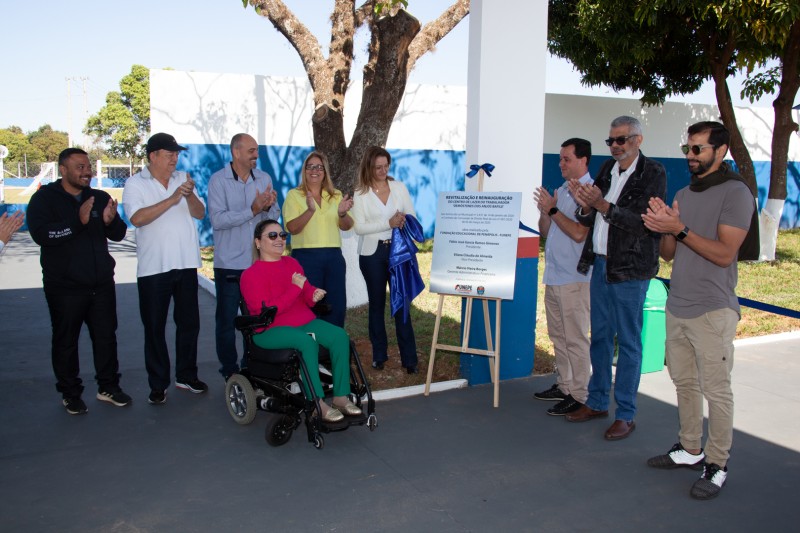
<point>272,235</point>
<point>619,140</point>
<point>695,148</point>
<point>312,168</point>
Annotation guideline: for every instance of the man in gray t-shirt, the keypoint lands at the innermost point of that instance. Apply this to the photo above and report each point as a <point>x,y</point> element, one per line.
<point>703,231</point>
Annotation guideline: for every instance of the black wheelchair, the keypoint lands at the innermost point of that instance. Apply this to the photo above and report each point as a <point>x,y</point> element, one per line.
<point>271,382</point>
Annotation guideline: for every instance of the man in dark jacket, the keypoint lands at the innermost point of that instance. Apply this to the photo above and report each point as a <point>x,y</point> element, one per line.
<point>72,222</point>
<point>625,257</point>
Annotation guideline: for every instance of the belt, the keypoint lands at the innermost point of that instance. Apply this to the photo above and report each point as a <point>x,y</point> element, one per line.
<point>387,242</point>
<point>601,256</point>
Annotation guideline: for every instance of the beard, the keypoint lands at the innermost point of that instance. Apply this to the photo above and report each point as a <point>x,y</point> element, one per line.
<point>700,169</point>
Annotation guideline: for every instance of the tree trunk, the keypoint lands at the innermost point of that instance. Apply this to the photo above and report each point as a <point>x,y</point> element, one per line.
<point>396,44</point>
<point>385,77</point>
<point>784,125</point>
<point>741,155</point>
<point>782,131</point>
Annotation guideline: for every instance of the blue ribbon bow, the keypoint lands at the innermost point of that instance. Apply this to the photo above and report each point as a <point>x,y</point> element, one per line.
<point>486,167</point>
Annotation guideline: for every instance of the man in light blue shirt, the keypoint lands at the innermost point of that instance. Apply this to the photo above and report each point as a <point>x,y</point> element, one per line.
<point>566,296</point>
<point>239,197</point>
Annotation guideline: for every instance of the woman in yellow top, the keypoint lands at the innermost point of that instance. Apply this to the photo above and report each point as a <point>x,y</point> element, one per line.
<point>313,213</point>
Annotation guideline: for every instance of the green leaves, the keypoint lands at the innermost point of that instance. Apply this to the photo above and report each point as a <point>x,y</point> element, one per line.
<point>124,122</point>
<point>757,85</point>
<point>388,5</point>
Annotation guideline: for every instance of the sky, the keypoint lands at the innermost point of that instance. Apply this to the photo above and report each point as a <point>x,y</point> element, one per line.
<point>88,46</point>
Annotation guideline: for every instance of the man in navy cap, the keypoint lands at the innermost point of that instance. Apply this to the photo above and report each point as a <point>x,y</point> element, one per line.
<point>162,203</point>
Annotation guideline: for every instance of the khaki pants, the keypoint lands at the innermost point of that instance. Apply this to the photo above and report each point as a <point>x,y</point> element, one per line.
<point>568,322</point>
<point>700,360</point>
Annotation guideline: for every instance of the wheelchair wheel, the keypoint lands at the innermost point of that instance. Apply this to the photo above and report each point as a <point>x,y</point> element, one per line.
<point>241,399</point>
<point>279,430</point>
<point>319,442</point>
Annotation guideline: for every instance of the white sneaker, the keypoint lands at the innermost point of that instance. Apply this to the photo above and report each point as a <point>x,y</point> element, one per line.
<point>710,483</point>
<point>676,458</point>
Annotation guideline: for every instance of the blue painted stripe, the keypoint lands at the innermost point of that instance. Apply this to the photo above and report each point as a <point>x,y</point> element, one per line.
<point>428,172</point>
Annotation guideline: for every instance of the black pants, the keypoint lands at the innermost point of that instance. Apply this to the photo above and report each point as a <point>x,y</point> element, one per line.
<point>375,269</point>
<point>69,310</point>
<point>155,293</point>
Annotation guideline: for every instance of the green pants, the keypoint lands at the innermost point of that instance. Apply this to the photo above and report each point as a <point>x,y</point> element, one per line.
<point>334,338</point>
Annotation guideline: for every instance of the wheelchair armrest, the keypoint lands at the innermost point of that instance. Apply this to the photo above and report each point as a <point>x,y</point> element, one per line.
<point>322,308</point>
<point>252,322</point>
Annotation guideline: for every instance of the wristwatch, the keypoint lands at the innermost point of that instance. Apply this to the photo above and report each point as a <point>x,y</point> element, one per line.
<point>607,214</point>
<point>553,211</point>
<point>683,233</point>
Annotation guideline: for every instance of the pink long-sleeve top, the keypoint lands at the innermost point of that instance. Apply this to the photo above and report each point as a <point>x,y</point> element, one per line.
<point>270,283</point>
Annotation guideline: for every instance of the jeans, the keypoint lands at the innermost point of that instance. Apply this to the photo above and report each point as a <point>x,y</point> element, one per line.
<point>226,283</point>
<point>69,309</point>
<point>155,293</point>
<point>326,269</point>
<point>375,269</point>
<point>617,313</point>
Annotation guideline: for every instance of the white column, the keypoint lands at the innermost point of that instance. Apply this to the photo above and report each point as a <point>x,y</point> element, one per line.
<point>505,127</point>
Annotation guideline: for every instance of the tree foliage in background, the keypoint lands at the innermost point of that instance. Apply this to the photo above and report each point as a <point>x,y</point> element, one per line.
<point>49,141</point>
<point>667,47</point>
<point>396,41</point>
<point>124,122</point>
<point>28,151</point>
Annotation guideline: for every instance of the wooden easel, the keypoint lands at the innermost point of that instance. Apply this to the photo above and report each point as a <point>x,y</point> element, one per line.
<point>492,345</point>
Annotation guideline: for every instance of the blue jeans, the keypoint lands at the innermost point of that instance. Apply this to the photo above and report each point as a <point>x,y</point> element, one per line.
<point>617,313</point>
<point>226,283</point>
<point>155,293</point>
<point>326,269</point>
<point>375,269</point>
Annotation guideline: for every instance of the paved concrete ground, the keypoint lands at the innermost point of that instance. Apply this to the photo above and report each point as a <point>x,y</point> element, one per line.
<point>449,462</point>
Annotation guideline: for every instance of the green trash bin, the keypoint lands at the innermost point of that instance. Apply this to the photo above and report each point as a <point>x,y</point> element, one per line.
<point>654,327</point>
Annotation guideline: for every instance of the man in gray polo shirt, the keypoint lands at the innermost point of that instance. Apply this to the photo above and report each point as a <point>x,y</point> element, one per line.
<point>703,231</point>
<point>566,296</point>
<point>239,197</point>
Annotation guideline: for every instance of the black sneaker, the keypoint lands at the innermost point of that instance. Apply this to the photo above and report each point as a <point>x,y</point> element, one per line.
<point>118,398</point>
<point>676,458</point>
<point>192,385</point>
<point>565,406</point>
<point>157,397</point>
<point>75,405</point>
<point>710,483</point>
<point>553,394</point>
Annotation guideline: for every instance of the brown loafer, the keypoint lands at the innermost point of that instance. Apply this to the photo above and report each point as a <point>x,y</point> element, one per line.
<point>620,429</point>
<point>584,414</point>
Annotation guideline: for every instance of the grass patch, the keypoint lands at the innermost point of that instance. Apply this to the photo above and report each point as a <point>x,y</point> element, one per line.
<point>771,282</point>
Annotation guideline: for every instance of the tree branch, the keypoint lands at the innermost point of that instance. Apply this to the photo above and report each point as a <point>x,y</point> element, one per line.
<point>435,31</point>
<point>288,25</point>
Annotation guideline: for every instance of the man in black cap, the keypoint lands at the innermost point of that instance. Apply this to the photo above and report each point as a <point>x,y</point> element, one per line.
<point>162,203</point>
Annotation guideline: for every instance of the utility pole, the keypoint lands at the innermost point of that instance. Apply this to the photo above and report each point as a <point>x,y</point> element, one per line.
<point>69,80</point>
<point>69,111</point>
<point>85,112</point>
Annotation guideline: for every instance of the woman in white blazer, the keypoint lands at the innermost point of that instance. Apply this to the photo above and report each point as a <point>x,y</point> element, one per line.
<point>380,204</point>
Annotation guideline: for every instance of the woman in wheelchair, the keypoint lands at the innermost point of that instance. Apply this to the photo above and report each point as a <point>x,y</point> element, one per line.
<point>278,280</point>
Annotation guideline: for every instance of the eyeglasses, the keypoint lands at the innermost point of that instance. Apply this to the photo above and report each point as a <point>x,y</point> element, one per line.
<point>695,148</point>
<point>312,168</point>
<point>619,140</point>
<point>272,235</point>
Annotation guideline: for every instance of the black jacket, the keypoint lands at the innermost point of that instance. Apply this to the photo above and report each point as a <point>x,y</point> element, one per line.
<point>632,252</point>
<point>73,255</point>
